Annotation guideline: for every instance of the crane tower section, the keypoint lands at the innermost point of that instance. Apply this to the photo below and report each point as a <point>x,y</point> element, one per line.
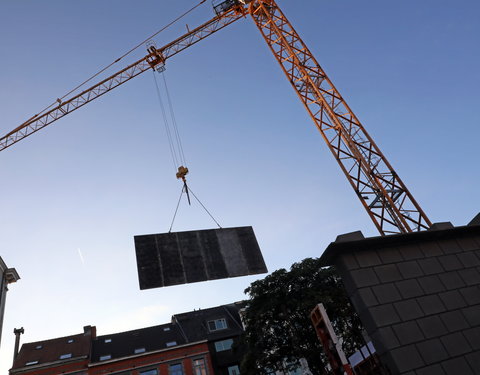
<point>387,200</point>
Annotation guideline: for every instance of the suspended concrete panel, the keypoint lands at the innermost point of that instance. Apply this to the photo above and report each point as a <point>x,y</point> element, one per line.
<point>188,257</point>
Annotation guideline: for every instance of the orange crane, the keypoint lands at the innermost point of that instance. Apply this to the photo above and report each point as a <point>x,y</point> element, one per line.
<point>382,193</point>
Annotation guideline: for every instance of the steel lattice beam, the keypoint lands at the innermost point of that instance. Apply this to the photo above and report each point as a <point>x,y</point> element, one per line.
<point>155,58</point>
<point>385,197</point>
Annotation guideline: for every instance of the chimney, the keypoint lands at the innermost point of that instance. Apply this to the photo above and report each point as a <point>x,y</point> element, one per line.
<point>90,330</point>
<point>17,332</point>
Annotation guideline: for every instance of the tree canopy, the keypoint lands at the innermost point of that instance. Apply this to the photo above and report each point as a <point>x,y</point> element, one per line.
<point>278,327</point>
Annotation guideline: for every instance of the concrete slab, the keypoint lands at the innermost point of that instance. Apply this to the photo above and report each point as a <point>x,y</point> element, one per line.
<point>186,257</point>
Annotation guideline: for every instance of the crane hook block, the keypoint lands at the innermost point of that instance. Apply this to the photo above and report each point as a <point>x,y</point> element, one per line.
<point>182,172</point>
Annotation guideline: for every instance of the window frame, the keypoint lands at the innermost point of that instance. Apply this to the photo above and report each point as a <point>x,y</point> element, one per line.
<point>215,321</point>
<point>204,363</point>
<point>235,368</point>
<point>105,357</point>
<point>175,364</point>
<point>223,349</point>
<point>146,371</point>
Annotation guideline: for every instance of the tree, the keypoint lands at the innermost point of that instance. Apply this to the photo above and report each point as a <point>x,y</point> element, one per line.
<point>278,327</point>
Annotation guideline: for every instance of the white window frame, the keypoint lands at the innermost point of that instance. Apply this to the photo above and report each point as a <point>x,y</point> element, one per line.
<point>202,367</point>
<point>218,323</point>
<point>221,346</point>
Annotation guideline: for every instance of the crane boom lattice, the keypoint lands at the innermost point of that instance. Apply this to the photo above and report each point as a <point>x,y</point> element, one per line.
<point>155,58</point>
<point>383,194</point>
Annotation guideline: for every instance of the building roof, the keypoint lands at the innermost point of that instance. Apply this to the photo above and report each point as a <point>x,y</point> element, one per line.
<point>124,344</point>
<point>55,351</point>
<point>195,324</point>
<point>184,329</point>
<point>356,241</point>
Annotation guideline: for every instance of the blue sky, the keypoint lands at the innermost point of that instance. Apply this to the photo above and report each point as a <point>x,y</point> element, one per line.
<point>90,182</point>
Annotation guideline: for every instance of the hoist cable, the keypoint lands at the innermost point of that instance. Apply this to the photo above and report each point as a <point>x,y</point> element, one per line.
<point>208,212</point>
<point>176,209</point>
<point>174,122</point>
<point>167,126</point>
<point>121,57</point>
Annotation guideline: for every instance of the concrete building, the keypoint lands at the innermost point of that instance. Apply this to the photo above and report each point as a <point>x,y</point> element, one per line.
<point>8,276</point>
<point>418,296</point>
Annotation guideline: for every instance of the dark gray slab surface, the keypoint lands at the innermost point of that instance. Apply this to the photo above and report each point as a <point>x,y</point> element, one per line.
<point>187,257</point>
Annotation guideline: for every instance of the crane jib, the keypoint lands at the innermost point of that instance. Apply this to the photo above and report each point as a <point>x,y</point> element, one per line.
<point>385,197</point>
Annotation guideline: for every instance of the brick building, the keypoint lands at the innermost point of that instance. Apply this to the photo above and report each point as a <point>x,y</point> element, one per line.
<point>63,355</point>
<point>200,342</point>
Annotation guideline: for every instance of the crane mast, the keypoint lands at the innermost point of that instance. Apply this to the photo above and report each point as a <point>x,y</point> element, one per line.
<point>382,193</point>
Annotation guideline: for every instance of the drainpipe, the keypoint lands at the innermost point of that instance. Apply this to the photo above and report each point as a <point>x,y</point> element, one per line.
<point>17,333</point>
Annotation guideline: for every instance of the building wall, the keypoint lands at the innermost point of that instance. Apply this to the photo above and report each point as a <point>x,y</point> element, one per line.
<point>159,361</point>
<point>3,293</point>
<point>7,276</point>
<point>419,299</point>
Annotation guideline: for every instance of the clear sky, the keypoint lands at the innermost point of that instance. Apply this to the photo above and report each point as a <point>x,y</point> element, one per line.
<point>75,194</point>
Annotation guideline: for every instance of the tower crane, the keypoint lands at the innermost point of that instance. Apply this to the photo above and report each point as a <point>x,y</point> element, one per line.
<point>382,193</point>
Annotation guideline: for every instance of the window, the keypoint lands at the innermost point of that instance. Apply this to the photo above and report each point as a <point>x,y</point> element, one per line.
<point>69,341</point>
<point>139,350</point>
<point>199,367</point>
<point>152,371</point>
<point>107,341</point>
<point>171,343</point>
<point>38,347</point>
<point>217,324</point>
<point>66,356</point>
<point>31,363</point>
<point>175,369</point>
<point>233,370</point>
<point>220,346</point>
<point>165,329</point>
<point>105,357</point>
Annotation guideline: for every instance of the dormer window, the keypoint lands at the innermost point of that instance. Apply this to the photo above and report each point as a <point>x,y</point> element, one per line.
<point>171,343</point>
<point>139,350</point>
<point>66,356</point>
<point>69,341</point>
<point>38,347</point>
<point>105,357</point>
<point>30,363</point>
<point>217,324</point>
<point>165,329</point>
<point>108,341</point>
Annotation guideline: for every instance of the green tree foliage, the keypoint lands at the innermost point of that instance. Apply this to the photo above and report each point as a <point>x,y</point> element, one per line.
<point>279,330</point>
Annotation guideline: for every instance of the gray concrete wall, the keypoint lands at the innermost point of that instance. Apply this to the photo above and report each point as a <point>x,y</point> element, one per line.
<point>419,301</point>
